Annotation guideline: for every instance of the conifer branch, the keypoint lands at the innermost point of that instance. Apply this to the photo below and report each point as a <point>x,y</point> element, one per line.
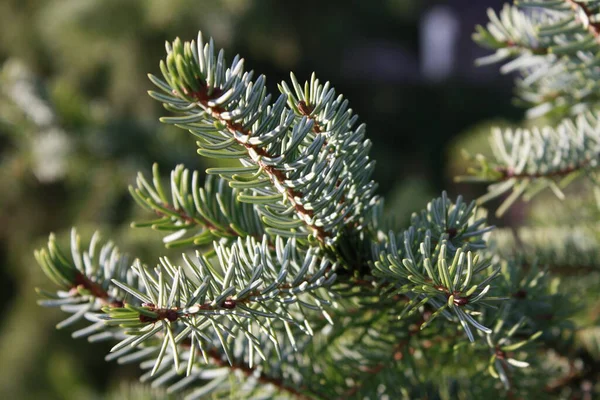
<point>586,16</point>
<point>281,150</point>
<point>256,154</point>
<point>194,214</point>
<point>85,281</point>
<point>264,314</point>
<point>552,47</point>
<point>530,160</point>
<point>442,275</point>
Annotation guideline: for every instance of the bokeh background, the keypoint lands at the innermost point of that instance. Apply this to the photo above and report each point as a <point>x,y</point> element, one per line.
<point>76,125</point>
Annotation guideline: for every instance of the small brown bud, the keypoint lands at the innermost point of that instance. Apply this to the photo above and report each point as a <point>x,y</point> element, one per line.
<point>171,315</point>
<point>304,108</point>
<point>461,301</point>
<point>500,354</point>
<point>145,319</point>
<point>229,304</point>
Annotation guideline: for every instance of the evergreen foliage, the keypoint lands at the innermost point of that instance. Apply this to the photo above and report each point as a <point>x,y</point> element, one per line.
<point>553,46</point>
<point>295,284</point>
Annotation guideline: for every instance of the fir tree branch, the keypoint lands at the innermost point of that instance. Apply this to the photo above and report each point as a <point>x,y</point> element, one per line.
<point>586,18</point>
<point>530,160</point>
<point>257,308</point>
<point>283,147</point>
<point>442,275</point>
<point>196,215</point>
<point>85,274</point>
<point>251,286</point>
<point>257,153</point>
<point>509,42</point>
<point>552,47</point>
<point>82,282</point>
<point>85,281</point>
<point>152,315</point>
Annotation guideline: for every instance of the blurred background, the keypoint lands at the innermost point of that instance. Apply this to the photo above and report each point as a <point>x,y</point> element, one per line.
<point>76,125</point>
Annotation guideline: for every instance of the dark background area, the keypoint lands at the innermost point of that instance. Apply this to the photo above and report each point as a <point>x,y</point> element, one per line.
<point>76,124</point>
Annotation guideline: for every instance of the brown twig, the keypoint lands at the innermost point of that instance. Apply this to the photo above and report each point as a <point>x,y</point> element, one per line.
<point>207,224</point>
<point>95,289</point>
<point>306,110</point>
<point>256,153</point>
<point>174,313</point>
<point>534,50</point>
<point>508,173</point>
<point>194,221</point>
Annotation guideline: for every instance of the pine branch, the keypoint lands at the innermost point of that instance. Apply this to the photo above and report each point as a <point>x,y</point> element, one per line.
<point>530,160</point>
<point>381,349</point>
<point>261,315</point>
<point>442,273</point>
<point>154,318</point>
<point>552,47</point>
<point>196,215</point>
<point>257,153</point>
<point>254,285</point>
<point>85,281</point>
<point>509,42</point>
<point>586,16</point>
<point>563,80</point>
<point>282,151</point>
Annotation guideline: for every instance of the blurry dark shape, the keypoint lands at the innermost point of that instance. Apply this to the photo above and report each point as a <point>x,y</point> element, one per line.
<point>439,35</point>
<point>380,62</point>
